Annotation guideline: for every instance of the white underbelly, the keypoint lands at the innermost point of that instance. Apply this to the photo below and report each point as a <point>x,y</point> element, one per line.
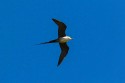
<point>63,40</point>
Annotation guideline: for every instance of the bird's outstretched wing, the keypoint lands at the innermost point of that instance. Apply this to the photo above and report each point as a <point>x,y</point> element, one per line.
<point>61,28</point>
<point>64,50</point>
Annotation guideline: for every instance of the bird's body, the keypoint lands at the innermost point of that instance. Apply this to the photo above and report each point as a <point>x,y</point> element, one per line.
<point>62,39</point>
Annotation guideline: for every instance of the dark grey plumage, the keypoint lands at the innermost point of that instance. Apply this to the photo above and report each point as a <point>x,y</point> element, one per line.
<point>64,50</point>
<point>61,33</point>
<point>61,28</point>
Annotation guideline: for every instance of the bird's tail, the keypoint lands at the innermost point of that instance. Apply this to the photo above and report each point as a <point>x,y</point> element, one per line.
<point>52,41</point>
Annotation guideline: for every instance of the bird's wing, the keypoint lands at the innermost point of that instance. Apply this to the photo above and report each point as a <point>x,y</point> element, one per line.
<point>61,28</point>
<point>64,50</point>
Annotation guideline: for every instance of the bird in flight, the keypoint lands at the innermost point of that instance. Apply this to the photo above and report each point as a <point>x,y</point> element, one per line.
<point>62,39</point>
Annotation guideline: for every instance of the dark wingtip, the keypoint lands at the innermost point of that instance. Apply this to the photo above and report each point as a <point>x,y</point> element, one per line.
<point>58,65</point>
<point>36,44</point>
<point>41,43</point>
<point>59,23</point>
<point>53,19</point>
<point>56,21</point>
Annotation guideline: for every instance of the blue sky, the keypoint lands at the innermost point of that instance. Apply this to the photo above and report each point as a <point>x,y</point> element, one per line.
<point>97,51</point>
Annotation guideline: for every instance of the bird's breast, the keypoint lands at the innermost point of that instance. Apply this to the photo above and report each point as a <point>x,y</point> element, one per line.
<point>63,40</point>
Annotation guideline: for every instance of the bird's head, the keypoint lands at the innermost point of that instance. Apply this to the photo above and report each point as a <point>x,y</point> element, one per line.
<point>69,38</point>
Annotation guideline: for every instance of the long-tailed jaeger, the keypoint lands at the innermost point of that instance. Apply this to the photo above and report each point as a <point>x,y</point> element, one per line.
<point>62,39</point>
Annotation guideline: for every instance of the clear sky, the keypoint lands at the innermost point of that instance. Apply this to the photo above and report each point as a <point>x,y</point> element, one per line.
<point>97,51</point>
